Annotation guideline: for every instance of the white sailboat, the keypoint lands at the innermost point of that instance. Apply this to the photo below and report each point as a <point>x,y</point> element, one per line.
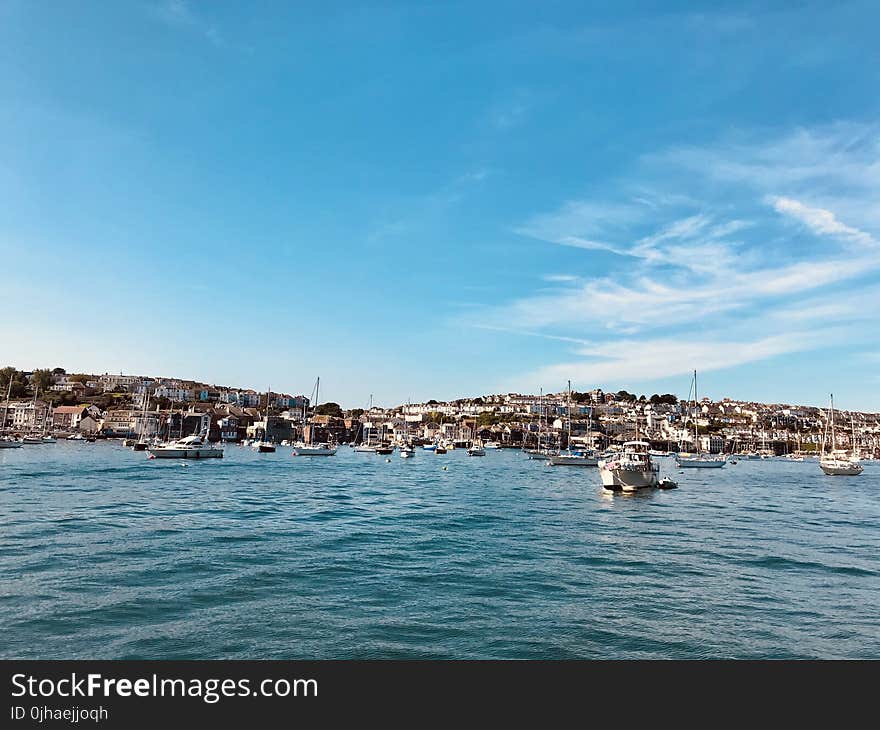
<point>367,444</point>
<point>698,460</point>
<point>838,462</point>
<point>7,442</point>
<point>301,448</point>
<point>569,457</point>
<point>264,445</point>
<point>540,452</point>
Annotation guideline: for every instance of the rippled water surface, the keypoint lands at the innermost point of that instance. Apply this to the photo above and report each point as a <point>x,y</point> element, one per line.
<point>106,554</point>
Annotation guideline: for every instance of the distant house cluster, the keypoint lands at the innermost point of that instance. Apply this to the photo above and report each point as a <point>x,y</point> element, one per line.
<point>121,405</point>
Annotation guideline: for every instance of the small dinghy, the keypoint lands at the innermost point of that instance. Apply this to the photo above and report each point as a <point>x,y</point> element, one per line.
<point>666,483</point>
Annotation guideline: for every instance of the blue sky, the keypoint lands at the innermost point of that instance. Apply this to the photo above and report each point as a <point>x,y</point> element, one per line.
<point>437,200</point>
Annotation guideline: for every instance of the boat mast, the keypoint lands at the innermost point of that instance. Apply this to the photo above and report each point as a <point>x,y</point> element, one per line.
<point>833,438</point>
<point>542,411</point>
<point>568,411</point>
<point>696,433</point>
<point>852,424</point>
<point>6,407</point>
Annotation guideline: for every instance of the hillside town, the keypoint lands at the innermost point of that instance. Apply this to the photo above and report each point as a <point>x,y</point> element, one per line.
<point>53,402</point>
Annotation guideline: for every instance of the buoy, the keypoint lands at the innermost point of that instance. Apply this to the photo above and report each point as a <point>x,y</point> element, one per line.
<point>387,461</point>
<point>445,468</point>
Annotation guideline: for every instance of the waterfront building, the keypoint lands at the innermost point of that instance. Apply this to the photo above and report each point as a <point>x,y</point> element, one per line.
<point>119,422</point>
<point>28,416</point>
<point>68,417</point>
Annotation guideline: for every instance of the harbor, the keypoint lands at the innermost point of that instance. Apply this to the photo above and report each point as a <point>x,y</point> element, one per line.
<point>108,554</point>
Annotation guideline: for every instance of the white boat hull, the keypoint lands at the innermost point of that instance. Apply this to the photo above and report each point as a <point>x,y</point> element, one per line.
<point>700,463</point>
<point>313,451</point>
<point>365,449</point>
<point>573,460</point>
<point>407,454</point>
<point>182,453</point>
<point>841,468</point>
<point>628,480</point>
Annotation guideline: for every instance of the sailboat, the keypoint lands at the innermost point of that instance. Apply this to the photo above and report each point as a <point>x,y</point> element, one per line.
<point>540,452</point>
<point>476,447</point>
<point>570,457</point>
<point>301,448</point>
<point>838,462</point>
<point>34,437</point>
<point>368,443</point>
<point>699,460</point>
<point>5,441</point>
<point>142,442</point>
<point>264,446</point>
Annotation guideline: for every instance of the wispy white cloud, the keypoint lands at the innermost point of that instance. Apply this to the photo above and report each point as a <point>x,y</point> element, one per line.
<point>712,251</point>
<point>820,221</point>
<point>634,360</point>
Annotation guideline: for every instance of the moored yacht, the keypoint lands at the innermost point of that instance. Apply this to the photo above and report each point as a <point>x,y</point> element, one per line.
<point>189,447</point>
<point>575,458</point>
<point>303,449</point>
<point>630,470</point>
<point>699,461</point>
<point>570,457</point>
<point>839,462</point>
<point>9,443</point>
<point>476,449</point>
<point>407,451</point>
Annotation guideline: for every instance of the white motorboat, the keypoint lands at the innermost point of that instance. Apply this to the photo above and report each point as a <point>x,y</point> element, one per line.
<point>32,440</point>
<point>491,445</point>
<point>366,448</point>
<point>302,449</point>
<point>407,451</point>
<point>630,470</point>
<point>429,447</point>
<point>476,450</point>
<point>263,447</point>
<point>49,440</point>
<point>8,443</point>
<point>839,462</point>
<point>189,447</point>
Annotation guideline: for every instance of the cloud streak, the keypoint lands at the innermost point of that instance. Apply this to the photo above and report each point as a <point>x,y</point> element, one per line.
<point>714,250</point>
